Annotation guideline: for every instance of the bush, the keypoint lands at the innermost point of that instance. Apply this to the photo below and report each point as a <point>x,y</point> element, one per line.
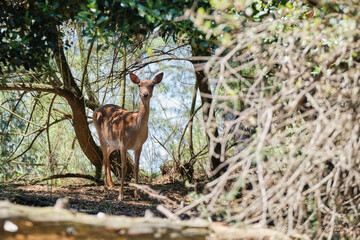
<point>287,100</point>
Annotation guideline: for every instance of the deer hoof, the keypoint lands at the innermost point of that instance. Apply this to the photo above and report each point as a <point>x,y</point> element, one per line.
<point>108,186</point>
<point>120,197</point>
<point>136,195</point>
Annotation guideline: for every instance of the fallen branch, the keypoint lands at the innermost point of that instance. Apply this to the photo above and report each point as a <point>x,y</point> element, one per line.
<point>169,214</point>
<point>44,222</point>
<point>68,175</point>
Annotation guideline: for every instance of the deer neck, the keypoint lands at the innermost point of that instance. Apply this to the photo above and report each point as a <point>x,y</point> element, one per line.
<point>143,114</point>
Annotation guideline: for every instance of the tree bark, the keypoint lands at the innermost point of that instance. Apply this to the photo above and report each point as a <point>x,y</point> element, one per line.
<point>83,133</point>
<point>206,100</point>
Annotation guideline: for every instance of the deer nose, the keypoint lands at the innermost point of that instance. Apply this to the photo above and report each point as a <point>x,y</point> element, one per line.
<point>145,95</point>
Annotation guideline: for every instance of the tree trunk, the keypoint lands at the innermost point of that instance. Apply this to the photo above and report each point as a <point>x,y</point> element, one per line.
<point>83,133</point>
<point>206,100</point>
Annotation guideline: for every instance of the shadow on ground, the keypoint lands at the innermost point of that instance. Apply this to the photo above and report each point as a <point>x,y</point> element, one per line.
<point>93,199</point>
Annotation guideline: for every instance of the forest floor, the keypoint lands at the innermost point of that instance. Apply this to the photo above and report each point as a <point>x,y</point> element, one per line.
<point>93,199</point>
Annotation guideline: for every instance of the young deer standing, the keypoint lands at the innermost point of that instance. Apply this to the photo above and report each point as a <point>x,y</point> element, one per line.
<point>124,130</point>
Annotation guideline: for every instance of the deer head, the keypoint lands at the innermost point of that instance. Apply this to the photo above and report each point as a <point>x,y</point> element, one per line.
<point>146,87</point>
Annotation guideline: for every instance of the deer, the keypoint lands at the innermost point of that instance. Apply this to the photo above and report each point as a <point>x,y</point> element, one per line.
<point>120,129</point>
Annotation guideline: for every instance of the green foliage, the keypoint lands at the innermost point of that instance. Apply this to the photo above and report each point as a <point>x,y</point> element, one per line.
<point>29,31</point>
<point>105,20</point>
<point>131,18</point>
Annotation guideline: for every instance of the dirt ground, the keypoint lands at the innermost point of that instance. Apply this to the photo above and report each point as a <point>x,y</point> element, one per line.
<point>93,199</point>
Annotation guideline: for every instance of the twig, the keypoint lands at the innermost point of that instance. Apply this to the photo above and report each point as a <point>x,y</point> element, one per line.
<point>152,193</point>
<point>167,151</point>
<point>184,130</point>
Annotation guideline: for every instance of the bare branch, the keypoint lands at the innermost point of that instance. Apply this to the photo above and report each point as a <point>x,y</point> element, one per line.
<point>31,87</point>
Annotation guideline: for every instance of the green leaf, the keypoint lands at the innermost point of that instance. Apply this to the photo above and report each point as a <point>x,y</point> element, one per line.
<point>316,71</point>
<point>149,51</point>
<point>150,3</point>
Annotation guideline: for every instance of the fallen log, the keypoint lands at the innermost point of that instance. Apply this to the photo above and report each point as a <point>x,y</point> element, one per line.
<point>24,222</point>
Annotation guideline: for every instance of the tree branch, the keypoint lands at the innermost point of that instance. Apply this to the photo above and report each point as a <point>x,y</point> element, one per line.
<point>184,130</point>
<point>29,87</point>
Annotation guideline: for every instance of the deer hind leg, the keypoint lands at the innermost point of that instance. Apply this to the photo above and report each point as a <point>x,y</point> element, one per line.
<point>123,152</point>
<point>106,163</point>
<point>136,171</point>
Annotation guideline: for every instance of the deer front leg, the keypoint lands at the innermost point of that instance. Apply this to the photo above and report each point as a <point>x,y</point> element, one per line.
<point>136,171</point>
<point>123,172</point>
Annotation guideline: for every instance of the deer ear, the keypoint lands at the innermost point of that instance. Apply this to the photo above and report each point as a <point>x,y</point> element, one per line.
<point>158,78</point>
<point>134,78</point>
